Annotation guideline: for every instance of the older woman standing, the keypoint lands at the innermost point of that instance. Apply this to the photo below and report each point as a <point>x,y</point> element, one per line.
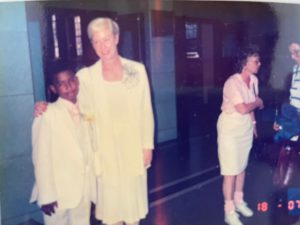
<point>116,93</point>
<point>236,126</point>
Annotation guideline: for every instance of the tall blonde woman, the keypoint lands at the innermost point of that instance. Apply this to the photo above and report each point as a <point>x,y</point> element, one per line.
<point>116,92</point>
<point>114,96</point>
<point>236,127</point>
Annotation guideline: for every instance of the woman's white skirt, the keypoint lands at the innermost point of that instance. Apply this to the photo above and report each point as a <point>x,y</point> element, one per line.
<point>122,199</point>
<point>235,137</point>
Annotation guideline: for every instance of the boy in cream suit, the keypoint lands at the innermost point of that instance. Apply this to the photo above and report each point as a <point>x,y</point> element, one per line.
<point>62,157</point>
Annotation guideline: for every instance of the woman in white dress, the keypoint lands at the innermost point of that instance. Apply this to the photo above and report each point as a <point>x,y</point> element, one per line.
<point>236,127</point>
<point>115,91</point>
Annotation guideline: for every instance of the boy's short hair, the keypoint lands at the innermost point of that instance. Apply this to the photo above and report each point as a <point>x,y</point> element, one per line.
<point>51,77</point>
<point>57,68</point>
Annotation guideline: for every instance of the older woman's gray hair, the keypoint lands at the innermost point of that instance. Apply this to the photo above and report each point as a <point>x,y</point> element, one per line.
<point>101,23</point>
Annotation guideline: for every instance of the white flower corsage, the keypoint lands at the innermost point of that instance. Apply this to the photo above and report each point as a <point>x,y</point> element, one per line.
<point>90,118</point>
<point>131,78</point>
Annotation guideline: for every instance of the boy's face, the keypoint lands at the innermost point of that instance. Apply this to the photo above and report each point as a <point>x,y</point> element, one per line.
<point>66,86</point>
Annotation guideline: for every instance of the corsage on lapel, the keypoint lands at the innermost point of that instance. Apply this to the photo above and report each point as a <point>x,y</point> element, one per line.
<point>90,118</point>
<point>131,76</point>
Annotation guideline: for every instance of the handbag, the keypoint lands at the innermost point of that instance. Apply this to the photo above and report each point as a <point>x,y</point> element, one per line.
<point>285,168</point>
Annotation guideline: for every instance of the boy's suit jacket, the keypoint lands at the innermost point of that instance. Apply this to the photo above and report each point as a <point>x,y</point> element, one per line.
<point>61,166</point>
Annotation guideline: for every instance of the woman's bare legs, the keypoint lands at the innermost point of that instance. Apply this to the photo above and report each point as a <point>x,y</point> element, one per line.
<point>238,195</point>
<point>239,183</point>
<point>228,187</point>
<point>228,190</point>
<point>232,184</point>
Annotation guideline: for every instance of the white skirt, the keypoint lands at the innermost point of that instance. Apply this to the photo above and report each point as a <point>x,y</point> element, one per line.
<point>235,137</point>
<point>122,199</point>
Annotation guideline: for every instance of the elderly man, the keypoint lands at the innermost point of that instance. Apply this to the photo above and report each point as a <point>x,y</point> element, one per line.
<point>288,124</point>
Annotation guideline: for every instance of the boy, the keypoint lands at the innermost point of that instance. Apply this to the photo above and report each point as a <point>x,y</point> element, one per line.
<point>62,157</point>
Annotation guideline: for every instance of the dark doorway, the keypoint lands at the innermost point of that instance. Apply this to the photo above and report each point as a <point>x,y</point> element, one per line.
<point>132,44</point>
<point>197,47</point>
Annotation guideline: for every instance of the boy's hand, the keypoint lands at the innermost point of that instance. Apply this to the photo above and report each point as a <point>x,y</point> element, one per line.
<point>147,158</point>
<point>49,209</point>
<point>40,108</point>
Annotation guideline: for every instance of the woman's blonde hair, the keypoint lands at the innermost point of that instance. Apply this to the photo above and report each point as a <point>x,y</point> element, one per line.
<point>100,23</point>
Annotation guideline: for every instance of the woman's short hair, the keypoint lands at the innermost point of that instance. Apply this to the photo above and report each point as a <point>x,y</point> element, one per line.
<point>243,54</point>
<point>100,23</point>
